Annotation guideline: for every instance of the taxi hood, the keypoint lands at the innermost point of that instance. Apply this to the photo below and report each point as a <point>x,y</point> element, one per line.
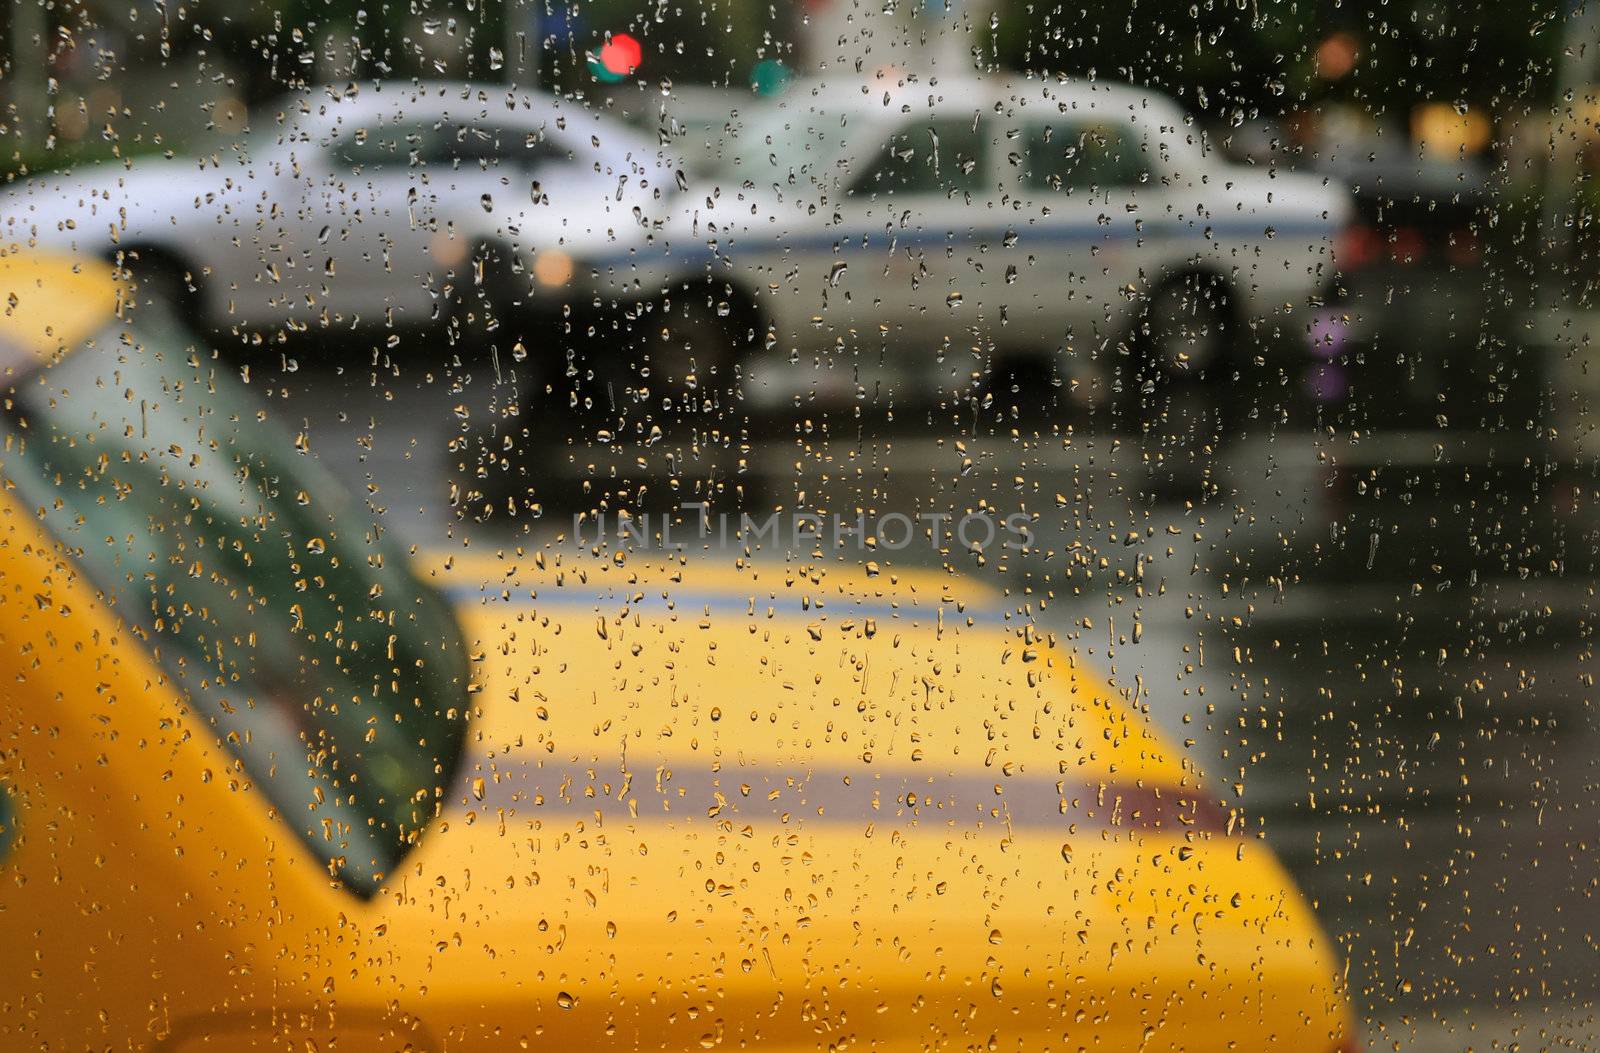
<point>51,302</point>
<point>740,806</point>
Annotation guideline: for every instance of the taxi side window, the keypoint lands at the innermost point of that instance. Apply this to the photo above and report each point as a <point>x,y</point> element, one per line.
<point>451,145</point>
<point>454,145</point>
<point>1074,157</point>
<point>928,157</point>
<point>381,147</point>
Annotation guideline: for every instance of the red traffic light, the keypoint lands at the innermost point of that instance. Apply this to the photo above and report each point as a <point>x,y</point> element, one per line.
<point>620,55</point>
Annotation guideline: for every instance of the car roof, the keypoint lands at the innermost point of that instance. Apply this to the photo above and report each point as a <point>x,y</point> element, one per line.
<point>816,624</point>
<point>52,302</point>
<point>411,98</point>
<point>886,91</point>
<point>433,99</point>
<point>327,109</point>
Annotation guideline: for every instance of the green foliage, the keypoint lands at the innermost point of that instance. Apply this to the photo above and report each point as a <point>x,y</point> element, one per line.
<point>20,163</point>
<point>1228,57</point>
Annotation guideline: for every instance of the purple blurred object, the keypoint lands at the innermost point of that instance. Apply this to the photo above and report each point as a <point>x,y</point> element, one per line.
<point>1327,382</point>
<point>1327,335</point>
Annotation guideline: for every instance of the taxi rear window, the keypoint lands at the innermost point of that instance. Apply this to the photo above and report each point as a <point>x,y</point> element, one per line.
<point>280,611</point>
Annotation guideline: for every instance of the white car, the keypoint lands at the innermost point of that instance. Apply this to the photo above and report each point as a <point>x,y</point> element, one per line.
<point>865,235</point>
<point>360,204</point>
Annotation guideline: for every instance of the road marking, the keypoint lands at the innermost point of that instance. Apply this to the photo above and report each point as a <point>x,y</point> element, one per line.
<point>808,795</point>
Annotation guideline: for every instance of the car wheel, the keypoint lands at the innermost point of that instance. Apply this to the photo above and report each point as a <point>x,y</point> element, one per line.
<point>1186,327</point>
<point>482,299</point>
<point>487,317</point>
<point>688,370</point>
<point>1178,397</point>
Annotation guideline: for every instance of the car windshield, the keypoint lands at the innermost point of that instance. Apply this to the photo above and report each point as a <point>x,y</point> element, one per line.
<point>336,682</point>
<point>788,145</point>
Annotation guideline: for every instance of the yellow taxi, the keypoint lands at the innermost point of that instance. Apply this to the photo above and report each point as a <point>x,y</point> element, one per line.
<point>267,786</point>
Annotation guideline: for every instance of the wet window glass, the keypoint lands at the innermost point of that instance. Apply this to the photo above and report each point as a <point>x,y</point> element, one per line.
<point>718,525</point>
<point>386,148</point>
<point>447,146</point>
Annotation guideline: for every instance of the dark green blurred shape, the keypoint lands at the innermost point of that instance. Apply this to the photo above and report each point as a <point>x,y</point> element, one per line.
<point>8,822</point>
<point>293,625</point>
<point>770,77</point>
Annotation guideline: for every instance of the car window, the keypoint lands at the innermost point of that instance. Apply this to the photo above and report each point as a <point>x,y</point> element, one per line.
<point>788,143</point>
<point>385,146</point>
<point>297,636</point>
<point>1072,157</point>
<point>447,145</point>
<point>928,157</point>
<point>452,144</point>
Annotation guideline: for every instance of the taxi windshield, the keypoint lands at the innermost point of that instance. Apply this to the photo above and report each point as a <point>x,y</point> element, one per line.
<point>788,145</point>
<point>290,624</point>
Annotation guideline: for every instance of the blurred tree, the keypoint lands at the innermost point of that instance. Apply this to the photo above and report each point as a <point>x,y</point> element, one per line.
<point>1233,59</point>
<point>26,59</point>
<point>278,47</point>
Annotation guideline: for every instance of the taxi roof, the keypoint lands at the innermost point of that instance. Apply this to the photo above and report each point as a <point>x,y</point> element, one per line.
<point>50,302</point>
<point>888,90</point>
<point>649,645</point>
<point>329,109</point>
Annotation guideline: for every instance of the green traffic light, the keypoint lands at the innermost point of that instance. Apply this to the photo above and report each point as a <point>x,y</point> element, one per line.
<point>770,77</point>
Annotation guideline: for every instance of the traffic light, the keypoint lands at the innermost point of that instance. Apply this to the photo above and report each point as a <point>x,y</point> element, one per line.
<point>770,77</point>
<point>616,59</point>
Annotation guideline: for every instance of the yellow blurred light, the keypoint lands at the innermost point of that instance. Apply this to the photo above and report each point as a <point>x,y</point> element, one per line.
<point>552,267</point>
<point>71,118</point>
<point>1336,56</point>
<point>231,114</point>
<point>105,102</point>
<point>447,249</point>
<point>1441,130</point>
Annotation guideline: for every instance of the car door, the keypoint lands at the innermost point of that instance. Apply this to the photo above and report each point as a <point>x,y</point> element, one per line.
<point>1082,185</point>
<point>915,213</point>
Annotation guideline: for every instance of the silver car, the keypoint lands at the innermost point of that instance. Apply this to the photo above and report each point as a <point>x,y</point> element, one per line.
<point>886,236</point>
<point>370,204</point>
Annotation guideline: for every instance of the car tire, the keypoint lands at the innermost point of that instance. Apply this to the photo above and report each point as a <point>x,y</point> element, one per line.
<point>1187,328</point>
<point>646,396</point>
<point>1184,341</point>
<point>483,296</point>
<point>666,379</point>
<point>667,374</point>
<point>691,359</point>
